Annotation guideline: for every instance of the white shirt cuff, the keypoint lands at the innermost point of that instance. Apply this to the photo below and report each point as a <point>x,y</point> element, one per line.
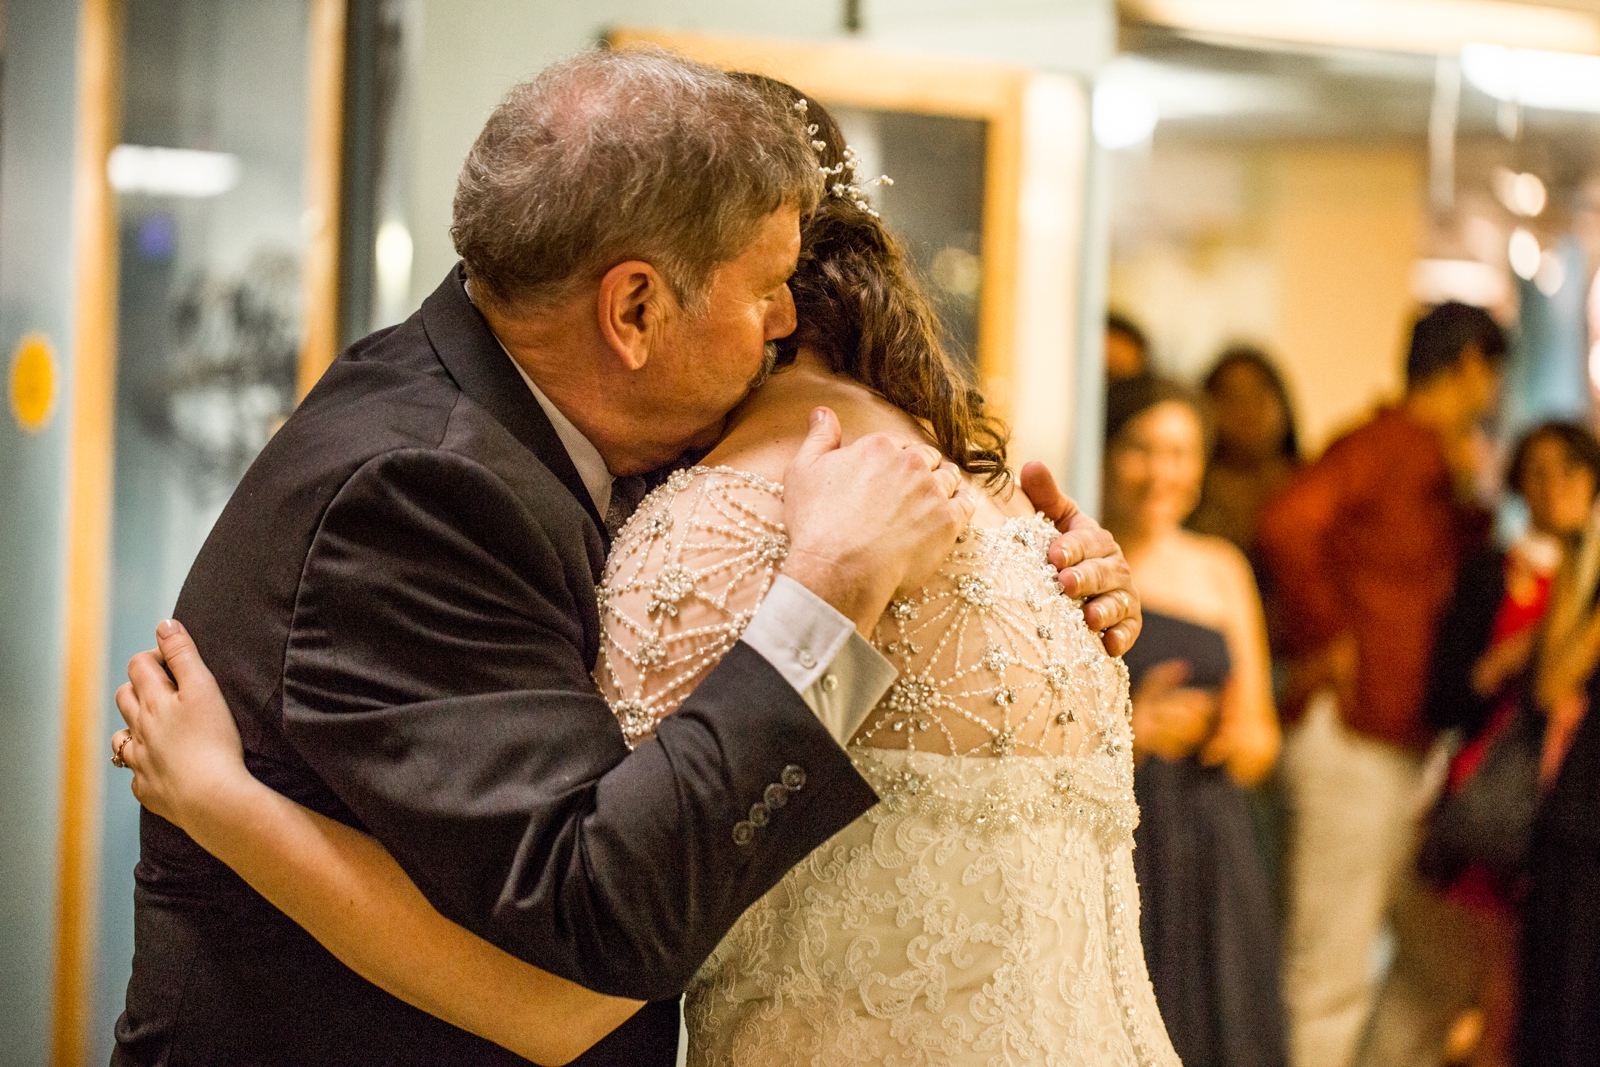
<point>836,671</point>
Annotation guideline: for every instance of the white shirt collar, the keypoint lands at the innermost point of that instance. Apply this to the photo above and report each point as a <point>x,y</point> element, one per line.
<point>591,467</point>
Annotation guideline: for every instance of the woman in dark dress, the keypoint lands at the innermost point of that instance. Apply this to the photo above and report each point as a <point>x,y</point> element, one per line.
<point>1204,731</point>
<point>1477,683</point>
<point>1560,987</point>
<point>1560,1024</point>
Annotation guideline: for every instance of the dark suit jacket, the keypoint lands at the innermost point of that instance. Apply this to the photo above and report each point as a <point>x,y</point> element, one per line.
<point>399,605</point>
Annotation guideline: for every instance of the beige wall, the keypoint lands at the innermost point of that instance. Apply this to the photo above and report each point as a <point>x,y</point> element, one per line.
<point>1304,249</point>
<point>1348,228</point>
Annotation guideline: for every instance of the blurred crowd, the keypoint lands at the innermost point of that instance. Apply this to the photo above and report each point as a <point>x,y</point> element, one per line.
<point>1366,777</point>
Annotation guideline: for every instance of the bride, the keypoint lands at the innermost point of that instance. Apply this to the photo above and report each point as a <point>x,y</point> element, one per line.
<point>984,912</point>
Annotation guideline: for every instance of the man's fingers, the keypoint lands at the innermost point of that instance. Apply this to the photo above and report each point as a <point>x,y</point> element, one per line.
<point>177,648</point>
<point>1089,541</point>
<point>823,436</point>
<point>1120,638</point>
<point>1099,577</point>
<point>149,676</point>
<point>1106,610</point>
<point>931,457</point>
<point>965,503</point>
<point>1045,495</point>
<point>948,475</point>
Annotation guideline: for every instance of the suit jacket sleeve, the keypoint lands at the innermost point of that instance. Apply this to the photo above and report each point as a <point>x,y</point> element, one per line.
<point>437,678</point>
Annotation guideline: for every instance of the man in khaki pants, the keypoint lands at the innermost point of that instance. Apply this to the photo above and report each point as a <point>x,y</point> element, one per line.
<point>1364,547</point>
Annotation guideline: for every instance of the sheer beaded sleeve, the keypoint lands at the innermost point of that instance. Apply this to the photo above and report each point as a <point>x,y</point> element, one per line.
<point>684,578</point>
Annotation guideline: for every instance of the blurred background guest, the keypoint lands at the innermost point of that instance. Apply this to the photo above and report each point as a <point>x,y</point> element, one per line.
<point>1204,730</point>
<point>1560,988</point>
<point>1127,348</point>
<point>1255,451</point>
<point>1464,957</point>
<point>1364,547</point>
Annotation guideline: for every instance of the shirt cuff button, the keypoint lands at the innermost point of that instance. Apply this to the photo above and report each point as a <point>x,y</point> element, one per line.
<point>830,682</point>
<point>793,778</point>
<point>807,660</point>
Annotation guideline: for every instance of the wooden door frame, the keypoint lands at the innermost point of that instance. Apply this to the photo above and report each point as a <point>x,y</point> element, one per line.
<point>92,457</point>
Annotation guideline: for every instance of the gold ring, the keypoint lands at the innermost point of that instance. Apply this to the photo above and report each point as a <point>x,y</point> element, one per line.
<point>116,757</point>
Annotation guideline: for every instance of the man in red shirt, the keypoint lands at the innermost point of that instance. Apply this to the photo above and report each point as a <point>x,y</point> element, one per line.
<point>1363,547</point>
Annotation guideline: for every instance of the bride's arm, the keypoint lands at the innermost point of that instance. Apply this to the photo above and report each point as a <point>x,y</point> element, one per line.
<point>337,883</point>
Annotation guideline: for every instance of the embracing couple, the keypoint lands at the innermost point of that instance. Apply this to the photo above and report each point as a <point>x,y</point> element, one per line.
<point>823,730</point>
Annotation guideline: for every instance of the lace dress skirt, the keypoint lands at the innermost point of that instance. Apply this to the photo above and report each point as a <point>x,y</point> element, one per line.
<point>984,913</point>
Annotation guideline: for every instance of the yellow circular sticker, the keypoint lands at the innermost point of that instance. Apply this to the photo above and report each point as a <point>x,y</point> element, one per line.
<point>33,382</point>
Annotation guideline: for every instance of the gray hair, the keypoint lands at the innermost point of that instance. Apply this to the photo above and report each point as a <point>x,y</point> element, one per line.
<point>611,156</point>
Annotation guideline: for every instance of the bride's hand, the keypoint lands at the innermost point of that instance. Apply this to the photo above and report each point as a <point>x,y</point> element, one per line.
<point>1090,563</point>
<point>181,742</point>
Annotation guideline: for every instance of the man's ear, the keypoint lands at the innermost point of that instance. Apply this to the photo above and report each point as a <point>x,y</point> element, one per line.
<point>634,307</point>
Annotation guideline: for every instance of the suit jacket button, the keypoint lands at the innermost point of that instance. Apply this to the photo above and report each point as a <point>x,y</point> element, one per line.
<point>793,778</point>
<point>758,814</point>
<point>776,796</point>
<point>743,833</point>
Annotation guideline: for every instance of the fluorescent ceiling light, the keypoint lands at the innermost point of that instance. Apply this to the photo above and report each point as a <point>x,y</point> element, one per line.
<point>1556,80</point>
<point>1124,115</point>
<point>136,168</point>
<point>1524,253</point>
<point>1428,26</point>
<point>1182,92</point>
<point>1551,275</point>
<point>1522,194</point>
<point>1434,281</point>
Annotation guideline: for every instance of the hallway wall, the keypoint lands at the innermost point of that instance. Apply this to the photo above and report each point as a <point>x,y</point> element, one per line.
<point>37,111</point>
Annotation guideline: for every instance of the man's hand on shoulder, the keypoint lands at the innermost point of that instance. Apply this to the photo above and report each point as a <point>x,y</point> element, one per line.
<point>866,519</point>
<point>1090,563</point>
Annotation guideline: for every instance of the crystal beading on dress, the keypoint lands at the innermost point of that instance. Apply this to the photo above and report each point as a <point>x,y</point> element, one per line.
<point>985,911</point>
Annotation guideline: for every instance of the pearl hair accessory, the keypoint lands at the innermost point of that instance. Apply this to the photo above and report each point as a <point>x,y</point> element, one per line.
<point>846,184</point>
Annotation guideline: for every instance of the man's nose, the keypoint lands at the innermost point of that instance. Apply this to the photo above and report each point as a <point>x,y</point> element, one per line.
<point>781,320</point>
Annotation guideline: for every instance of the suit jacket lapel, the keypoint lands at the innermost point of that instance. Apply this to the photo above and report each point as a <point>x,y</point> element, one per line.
<point>480,367</point>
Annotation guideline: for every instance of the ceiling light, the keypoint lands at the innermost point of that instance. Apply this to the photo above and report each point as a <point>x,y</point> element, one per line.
<point>1124,115</point>
<point>1524,253</point>
<point>1559,81</point>
<point>171,171</point>
<point>1551,275</point>
<point>1426,26</point>
<point>1522,194</point>
<point>1435,281</point>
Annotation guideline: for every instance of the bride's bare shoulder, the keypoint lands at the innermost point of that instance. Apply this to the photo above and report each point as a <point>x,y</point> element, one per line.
<point>768,429</point>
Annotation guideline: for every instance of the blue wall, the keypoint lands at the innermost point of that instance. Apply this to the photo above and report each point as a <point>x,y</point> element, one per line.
<point>36,289</point>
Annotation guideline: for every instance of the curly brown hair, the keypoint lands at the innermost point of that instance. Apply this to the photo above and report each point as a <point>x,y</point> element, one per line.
<point>861,309</point>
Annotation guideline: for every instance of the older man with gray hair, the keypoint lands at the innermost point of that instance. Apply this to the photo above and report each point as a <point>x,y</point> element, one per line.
<point>399,601</point>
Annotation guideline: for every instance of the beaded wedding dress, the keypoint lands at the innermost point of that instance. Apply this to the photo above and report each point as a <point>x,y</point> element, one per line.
<point>985,911</point>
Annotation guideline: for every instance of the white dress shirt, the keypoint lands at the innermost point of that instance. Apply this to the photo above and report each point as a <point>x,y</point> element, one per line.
<point>836,671</point>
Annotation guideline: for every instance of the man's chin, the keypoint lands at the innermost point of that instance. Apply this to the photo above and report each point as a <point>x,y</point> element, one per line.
<point>706,438</point>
